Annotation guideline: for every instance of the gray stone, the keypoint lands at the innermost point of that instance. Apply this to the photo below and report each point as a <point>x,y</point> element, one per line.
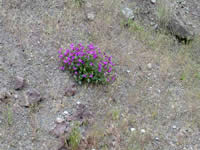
<point>149,66</point>
<point>128,13</point>
<point>70,91</point>
<point>179,28</point>
<point>18,83</point>
<point>4,95</point>
<point>32,97</point>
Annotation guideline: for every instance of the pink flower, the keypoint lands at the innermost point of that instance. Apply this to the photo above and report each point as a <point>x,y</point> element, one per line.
<point>61,56</point>
<point>62,68</point>
<point>65,61</point>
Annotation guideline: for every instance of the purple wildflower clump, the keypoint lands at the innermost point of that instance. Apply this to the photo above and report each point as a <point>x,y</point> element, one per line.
<point>87,63</point>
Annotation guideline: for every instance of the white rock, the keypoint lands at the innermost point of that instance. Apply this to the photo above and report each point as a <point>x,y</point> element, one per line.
<point>59,120</point>
<point>153,1</point>
<point>149,65</point>
<point>143,130</point>
<point>128,13</point>
<point>78,102</point>
<point>90,16</point>
<point>16,96</point>
<point>132,129</point>
<point>128,71</point>
<point>174,126</point>
<point>65,113</point>
<point>157,139</point>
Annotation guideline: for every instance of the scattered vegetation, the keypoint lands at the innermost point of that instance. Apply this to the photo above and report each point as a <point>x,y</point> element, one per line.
<point>9,115</point>
<point>163,14</point>
<point>75,137</point>
<point>87,64</point>
<point>79,3</point>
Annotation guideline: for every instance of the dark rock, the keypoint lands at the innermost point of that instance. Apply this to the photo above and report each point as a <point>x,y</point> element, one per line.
<point>82,112</point>
<point>59,130</point>
<point>179,28</point>
<point>32,97</point>
<point>4,95</point>
<point>70,91</point>
<point>19,83</point>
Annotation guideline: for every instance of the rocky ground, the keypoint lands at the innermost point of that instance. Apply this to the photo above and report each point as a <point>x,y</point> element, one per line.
<point>153,104</point>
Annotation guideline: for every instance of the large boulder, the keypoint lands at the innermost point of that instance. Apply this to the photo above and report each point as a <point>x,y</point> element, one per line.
<point>178,27</point>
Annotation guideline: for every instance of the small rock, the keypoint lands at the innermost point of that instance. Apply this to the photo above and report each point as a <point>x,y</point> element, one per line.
<point>90,16</point>
<point>132,129</point>
<point>128,71</point>
<point>149,66</point>
<point>174,126</point>
<point>179,28</point>
<point>153,1</point>
<point>65,113</point>
<point>59,120</point>
<point>18,83</point>
<point>157,139</point>
<point>16,96</point>
<point>59,130</point>
<point>128,13</point>
<point>143,131</point>
<point>32,97</point>
<point>78,103</point>
<point>70,91</point>
<point>4,95</point>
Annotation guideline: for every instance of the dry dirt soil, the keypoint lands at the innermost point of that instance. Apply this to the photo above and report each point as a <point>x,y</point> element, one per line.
<point>153,105</point>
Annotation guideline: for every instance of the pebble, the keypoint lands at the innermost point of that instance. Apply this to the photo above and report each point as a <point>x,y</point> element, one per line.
<point>65,113</point>
<point>149,65</point>
<point>78,103</point>
<point>90,16</point>
<point>143,131</point>
<point>153,1</point>
<point>18,83</point>
<point>132,129</point>
<point>157,139</point>
<point>128,71</point>
<point>59,120</point>
<point>174,126</point>
<point>16,96</point>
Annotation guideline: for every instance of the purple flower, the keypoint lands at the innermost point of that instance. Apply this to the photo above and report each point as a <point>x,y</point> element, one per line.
<point>76,72</point>
<point>91,46</point>
<point>95,56</point>
<point>110,69</point>
<point>78,64</point>
<point>74,68</point>
<point>91,64</point>
<point>72,58</point>
<point>91,76</point>
<point>61,56</point>
<point>59,52</point>
<point>80,60</point>
<point>105,62</point>
<point>113,77</point>
<point>66,52</point>
<point>65,61</point>
<point>72,46</point>
<point>62,68</point>
<point>84,75</point>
